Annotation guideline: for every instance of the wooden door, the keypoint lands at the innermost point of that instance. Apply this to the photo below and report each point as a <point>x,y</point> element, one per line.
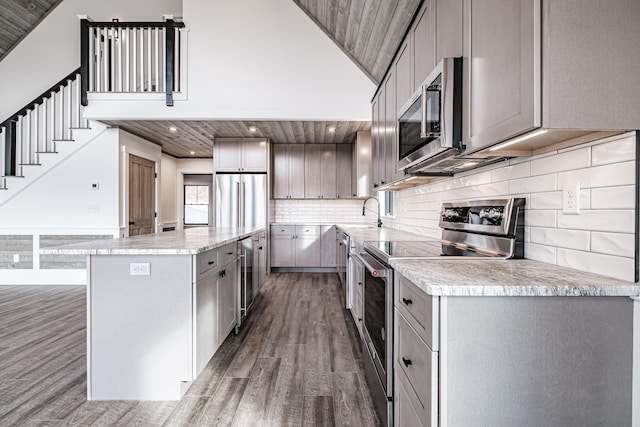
<point>142,196</point>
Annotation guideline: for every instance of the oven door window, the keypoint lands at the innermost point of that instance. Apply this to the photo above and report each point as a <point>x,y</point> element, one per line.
<point>374,313</point>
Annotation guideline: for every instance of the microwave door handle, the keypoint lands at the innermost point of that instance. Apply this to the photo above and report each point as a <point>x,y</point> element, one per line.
<point>423,121</point>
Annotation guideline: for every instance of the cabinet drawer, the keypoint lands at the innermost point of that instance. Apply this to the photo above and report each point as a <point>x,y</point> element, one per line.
<point>420,309</point>
<point>404,412</point>
<point>227,253</point>
<point>206,262</point>
<point>283,230</point>
<point>302,230</point>
<point>419,364</point>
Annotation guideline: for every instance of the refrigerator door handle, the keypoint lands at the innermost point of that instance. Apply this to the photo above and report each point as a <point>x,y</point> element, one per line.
<point>238,213</point>
<point>243,201</point>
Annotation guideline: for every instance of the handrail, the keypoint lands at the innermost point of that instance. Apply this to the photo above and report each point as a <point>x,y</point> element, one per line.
<point>44,95</point>
<point>111,54</point>
<point>9,125</point>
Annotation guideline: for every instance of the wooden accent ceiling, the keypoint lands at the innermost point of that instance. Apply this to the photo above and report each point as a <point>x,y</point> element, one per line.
<point>368,31</point>
<point>197,135</point>
<point>18,18</point>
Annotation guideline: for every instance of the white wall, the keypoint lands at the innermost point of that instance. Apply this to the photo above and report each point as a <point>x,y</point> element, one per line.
<point>52,49</point>
<point>600,240</point>
<point>168,215</point>
<point>60,199</point>
<point>257,59</point>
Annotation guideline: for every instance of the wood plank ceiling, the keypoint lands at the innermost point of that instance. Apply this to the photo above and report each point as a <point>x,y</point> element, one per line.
<point>368,31</point>
<point>18,18</point>
<point>197,136</point>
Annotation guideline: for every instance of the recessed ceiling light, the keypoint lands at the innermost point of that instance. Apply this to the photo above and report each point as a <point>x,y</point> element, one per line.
<point>252,129</point>
<point>173,128</point>
<point>332,129</point>
<point>192,152</point>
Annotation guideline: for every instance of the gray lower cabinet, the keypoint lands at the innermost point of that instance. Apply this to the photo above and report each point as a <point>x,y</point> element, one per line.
<point>303,246</point>
<point>327,245</point>
<point>506,361</point>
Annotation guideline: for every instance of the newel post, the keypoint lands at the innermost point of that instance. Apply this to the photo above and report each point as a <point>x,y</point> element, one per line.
<point>84,60</point>
<point>170,59</point>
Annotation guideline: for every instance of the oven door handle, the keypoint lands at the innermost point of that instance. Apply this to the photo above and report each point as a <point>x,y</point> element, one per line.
<point>375,272</point>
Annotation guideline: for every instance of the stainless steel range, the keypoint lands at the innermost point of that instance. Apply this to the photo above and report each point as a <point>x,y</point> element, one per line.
<point>473,229</point>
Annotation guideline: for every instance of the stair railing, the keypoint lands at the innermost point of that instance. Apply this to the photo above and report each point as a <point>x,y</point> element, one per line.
<point>131,57</point>
<point>35,128</point>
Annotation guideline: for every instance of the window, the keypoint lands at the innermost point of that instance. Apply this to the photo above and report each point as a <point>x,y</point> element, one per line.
<point>386,202</point>
<point>196,205</point>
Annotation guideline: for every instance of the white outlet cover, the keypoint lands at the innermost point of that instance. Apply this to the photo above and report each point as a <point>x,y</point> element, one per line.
<point>139,269</point>
<point>571,198</point>
<point>93,208</point>
<point>16,257</point>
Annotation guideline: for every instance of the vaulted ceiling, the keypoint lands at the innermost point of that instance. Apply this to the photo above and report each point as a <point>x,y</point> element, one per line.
<point>368,32</point>
<point>18,18</point>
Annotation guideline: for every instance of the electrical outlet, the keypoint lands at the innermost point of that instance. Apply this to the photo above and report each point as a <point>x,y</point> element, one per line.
<point>571,199</point>
<point>139,269</point>
<point>94,208</point>
<point>16,257</point>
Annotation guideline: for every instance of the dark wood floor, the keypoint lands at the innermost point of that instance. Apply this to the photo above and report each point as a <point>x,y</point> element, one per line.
<point>296,361</point>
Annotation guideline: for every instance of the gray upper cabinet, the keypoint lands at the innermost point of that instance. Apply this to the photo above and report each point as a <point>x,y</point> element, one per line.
<point>404,74</point>
<point>391,121</point>
<point>448,24</point>
<point>375,136</point>
<point>320,171</point>
<point>345,188</point>
<point>240,155</point>
<point>288,171</point>
<point>422,35</point>
<point>561,69</point>
<point>502,69</point>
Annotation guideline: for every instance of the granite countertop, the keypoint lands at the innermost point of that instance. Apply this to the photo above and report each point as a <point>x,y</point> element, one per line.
<point>191,241</point>
<point>381,234</point>
<point>520,277</point>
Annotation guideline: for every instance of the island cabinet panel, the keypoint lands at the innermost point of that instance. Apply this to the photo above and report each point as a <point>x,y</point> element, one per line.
<point>328,246</point>
<point>226,307</point>
<point>205,330</point>
<point>140,345</point>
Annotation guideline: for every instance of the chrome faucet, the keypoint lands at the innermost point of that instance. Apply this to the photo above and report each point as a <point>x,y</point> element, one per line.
<point>364,205</point>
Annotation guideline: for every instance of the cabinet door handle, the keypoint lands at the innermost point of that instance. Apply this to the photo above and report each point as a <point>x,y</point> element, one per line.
<point>407,301</point>
<point>359,283</point>
<point>229,253</point>
<point>359,319</point>
<point>211,262</point>
<point>406,362</point>
<point>260,248</point>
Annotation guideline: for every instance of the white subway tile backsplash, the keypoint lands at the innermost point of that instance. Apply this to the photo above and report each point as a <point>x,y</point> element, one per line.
<point>572,239</point>
<point>613,244</point>
<point>549,200</point>
<point>613,197</point>
<point>600,176</point>
<point>506,173</point>
<point>574,159</point>
<point>536,218</point>
<point>619,221</point>
<point>534,184</point>
<point>540,253</point>
<point>616,151</point>
<point>612,266</point>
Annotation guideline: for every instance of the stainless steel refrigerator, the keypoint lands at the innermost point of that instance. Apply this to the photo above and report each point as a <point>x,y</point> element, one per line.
<point>241,200</point>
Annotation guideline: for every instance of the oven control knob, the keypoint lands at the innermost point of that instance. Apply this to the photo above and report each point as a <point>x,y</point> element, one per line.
<point>374,273</point>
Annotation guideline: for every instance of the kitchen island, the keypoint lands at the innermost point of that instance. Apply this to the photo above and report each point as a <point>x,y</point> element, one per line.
<point>158,307</point>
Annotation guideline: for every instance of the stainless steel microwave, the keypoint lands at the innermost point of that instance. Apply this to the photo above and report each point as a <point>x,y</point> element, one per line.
<point>430,123</point>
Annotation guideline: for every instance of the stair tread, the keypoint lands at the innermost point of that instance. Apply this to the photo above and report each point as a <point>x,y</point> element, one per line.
<point>80,128</point>
<point>47,152</point>
<point>12,176</point>
<point>29,164</point>
<point>63,140</point>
